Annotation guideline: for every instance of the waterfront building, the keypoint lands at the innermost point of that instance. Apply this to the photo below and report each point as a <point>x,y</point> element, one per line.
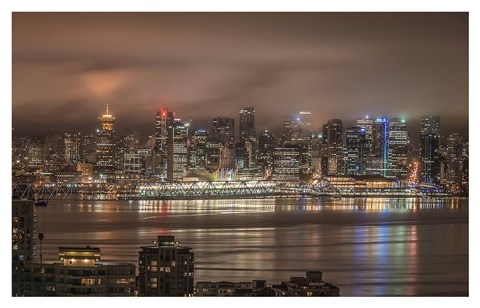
<point>247,124</point>
<point>286,163</point>
<point>68,175</point>
<point>354,155</point>
<point>333,133</point>
<point>398,143</point>
<point>166,269</point>
<point>249,174</point>
<point>223,130</point>
<point>429,149</point>
<point>23,242</point>
<point>177,151</point>
<point>79,272</point>
<point>367,185</point>
<point>105,143</point>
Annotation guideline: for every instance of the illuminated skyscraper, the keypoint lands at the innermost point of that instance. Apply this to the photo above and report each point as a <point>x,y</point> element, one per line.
<point>454,159</point>
<point>163,120</point>
<point>398,142</point>
<point>354,150</point>
<point>198,150</point>
<point>429,147</point>
<point>367,124</point>
<point>247,124</point>
<point>376,145</point>
<point>287,130</point>
<point>105,149</point>
<point>333,133</point>
<point>266,146</point>
<point>72,147</point>
<point>177,151</point>
<point>223,130</point>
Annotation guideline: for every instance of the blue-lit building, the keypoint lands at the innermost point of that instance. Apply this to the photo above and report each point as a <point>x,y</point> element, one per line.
<point>376,153</point>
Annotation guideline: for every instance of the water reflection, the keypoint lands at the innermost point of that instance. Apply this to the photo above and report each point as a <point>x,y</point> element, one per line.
<point>369,247</point>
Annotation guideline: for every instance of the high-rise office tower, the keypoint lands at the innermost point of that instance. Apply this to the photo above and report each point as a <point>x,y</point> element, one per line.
<point>198,150</point>
<point>177,151</point>
<point>88,148</point>
<point>247,124</point>
<point>223,130</point>
<point>355,138</point>
<point>287,130</point>
<point>163,120</point>
<point>367,124</point>
<point>454,159</point>
<point>166,269</point>
<point>72,147</point>
<point>266,146</point>
<point>301,127</point>
<point>398,142</point>
<point>429,147</point>
<point>376,144</point>
<point>333,132</point>
<point>105,149</point>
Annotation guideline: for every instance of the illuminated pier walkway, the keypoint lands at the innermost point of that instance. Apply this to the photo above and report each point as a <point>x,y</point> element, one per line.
<point>171,190</point>
<point>200,190</point>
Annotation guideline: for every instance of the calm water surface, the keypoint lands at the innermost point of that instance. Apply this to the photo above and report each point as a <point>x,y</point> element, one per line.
<point>367,247</point>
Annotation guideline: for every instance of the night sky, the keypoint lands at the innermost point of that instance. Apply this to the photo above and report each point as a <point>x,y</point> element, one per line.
<point>67,66</point>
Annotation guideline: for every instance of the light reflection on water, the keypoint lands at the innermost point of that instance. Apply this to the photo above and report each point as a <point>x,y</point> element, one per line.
<point>368,247</point>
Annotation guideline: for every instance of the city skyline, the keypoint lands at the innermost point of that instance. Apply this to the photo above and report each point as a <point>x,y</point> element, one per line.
<point>278,63</point>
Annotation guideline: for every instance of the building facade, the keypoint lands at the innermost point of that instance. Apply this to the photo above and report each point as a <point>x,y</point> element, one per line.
<point>166,269</point>
<point>80,272</point>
